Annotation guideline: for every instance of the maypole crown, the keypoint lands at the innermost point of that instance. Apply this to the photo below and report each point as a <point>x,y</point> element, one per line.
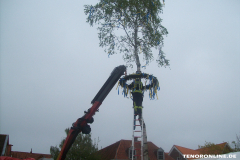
<point>151,84</point>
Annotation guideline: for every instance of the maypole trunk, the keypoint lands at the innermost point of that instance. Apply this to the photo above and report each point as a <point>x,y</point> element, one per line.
<point>136,46</point>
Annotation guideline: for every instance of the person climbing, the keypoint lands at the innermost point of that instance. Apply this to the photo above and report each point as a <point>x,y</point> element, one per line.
<point>137,92</point>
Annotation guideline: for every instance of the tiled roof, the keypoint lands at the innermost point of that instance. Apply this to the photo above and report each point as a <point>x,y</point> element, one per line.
<point>220,146</point>
<point>152,148</point>
<point>188,151</point>
<point>184,150</point>
<point>119,150</point>
<point>122,152</point>
<point>24,155</point>
<point>11,158</point>
<point>109,152</point>
<point>167,157</point>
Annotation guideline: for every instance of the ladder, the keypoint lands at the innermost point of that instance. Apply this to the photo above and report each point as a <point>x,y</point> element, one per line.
<point>137,133</point>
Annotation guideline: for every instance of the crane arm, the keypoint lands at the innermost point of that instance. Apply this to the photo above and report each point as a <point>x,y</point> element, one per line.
<point>81,125</point>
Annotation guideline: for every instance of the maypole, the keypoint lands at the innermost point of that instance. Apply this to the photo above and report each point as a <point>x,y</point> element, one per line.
<point>152,85</point>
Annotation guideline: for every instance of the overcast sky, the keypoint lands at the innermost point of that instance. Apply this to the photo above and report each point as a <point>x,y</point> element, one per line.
<point>52,67</point>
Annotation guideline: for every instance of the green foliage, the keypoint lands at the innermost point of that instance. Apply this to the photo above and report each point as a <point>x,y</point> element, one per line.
<point>83,148</point>
<point>130,27</point>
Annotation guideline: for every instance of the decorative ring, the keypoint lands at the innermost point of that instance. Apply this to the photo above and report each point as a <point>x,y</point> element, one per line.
<point>153,85</point>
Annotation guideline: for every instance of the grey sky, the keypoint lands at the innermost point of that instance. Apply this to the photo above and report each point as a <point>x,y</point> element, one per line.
<point>52,67</point>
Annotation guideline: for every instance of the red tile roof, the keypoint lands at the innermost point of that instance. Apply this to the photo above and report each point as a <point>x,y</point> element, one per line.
<point>11,158</point>
<point>119,150</point>
<point>219,149</point>
<point>109,152</point>
<point>184,150</point>
<point>24,155</point>
<point>188,151</point>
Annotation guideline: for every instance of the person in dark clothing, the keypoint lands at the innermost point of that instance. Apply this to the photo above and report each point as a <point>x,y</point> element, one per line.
<point>137,93</point>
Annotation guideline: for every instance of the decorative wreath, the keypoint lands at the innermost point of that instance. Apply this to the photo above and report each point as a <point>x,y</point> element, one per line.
<point>151,84</point>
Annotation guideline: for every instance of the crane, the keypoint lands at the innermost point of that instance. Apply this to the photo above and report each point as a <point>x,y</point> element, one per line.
<point>82,124</point>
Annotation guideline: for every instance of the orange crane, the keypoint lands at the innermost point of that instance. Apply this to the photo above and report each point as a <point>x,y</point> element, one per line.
<point>81,125</point>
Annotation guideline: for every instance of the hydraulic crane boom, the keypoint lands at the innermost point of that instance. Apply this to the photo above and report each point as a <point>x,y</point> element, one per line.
<point>81,124</point>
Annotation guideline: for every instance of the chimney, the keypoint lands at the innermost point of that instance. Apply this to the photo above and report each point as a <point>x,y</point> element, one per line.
<point>9,150</point>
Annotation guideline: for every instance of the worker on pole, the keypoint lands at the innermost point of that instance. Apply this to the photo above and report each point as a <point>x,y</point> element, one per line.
<point>137,93</point>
